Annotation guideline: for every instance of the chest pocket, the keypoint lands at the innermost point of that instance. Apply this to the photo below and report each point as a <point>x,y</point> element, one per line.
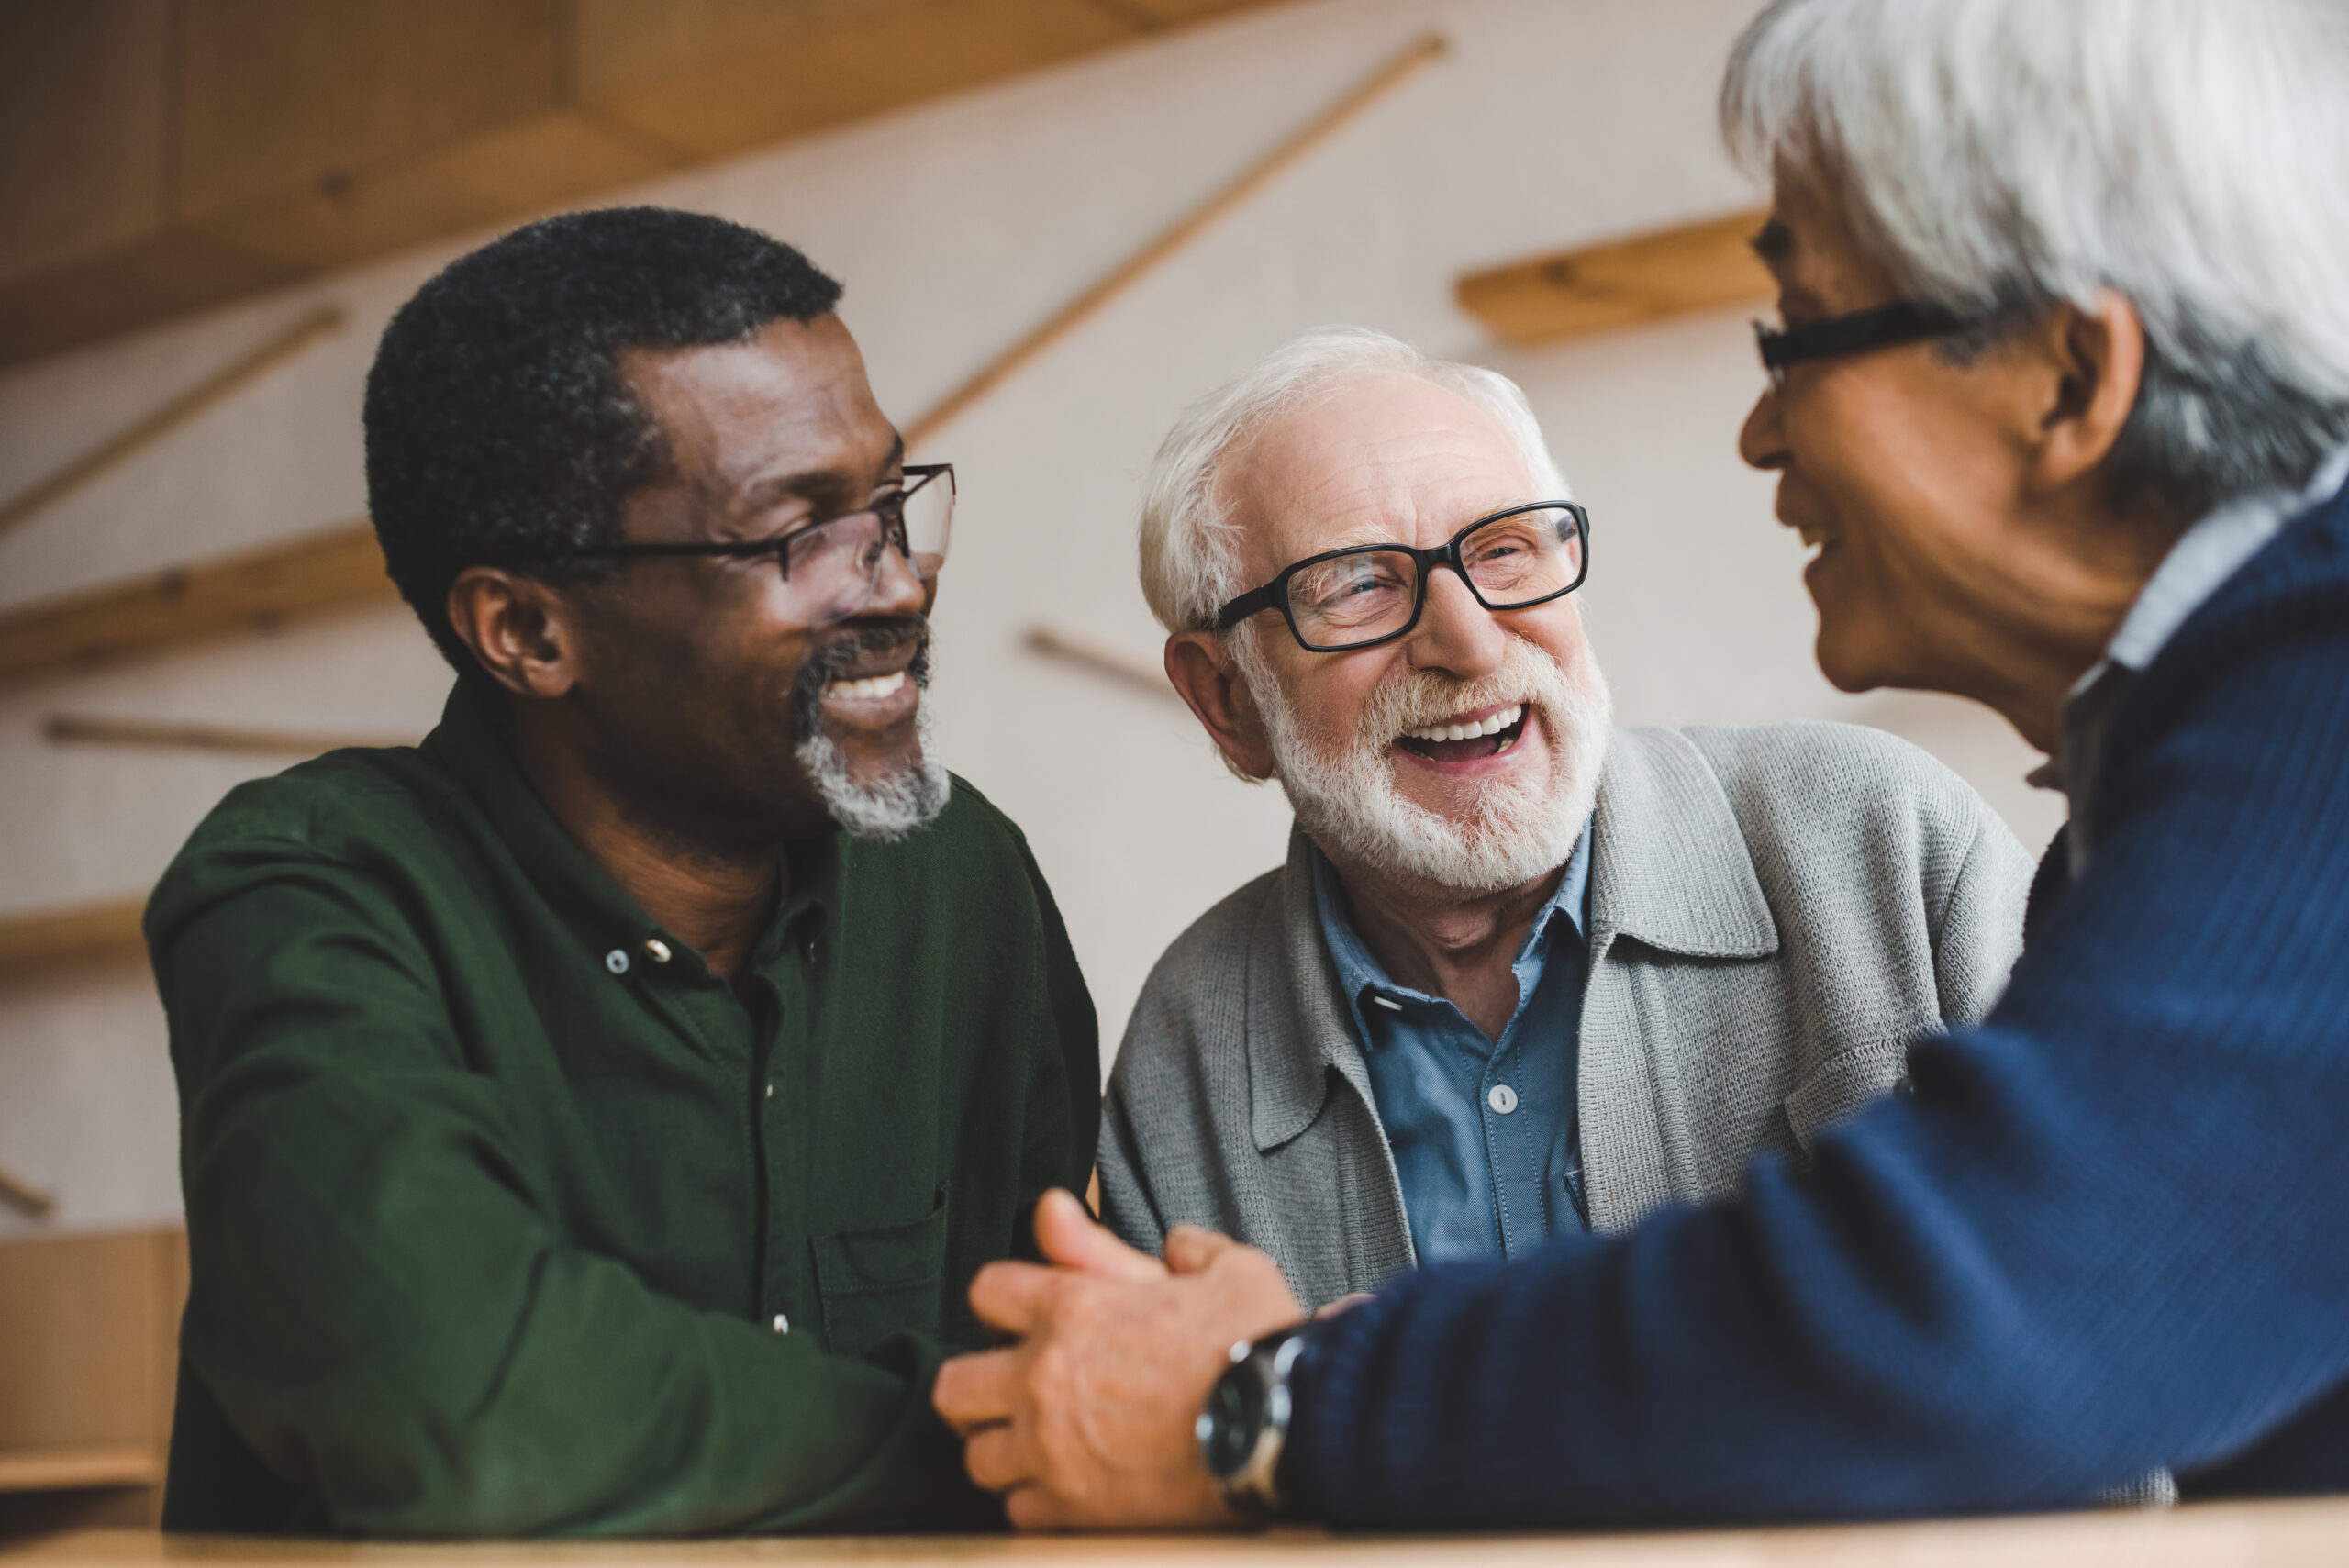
<point>1841,1084</point>
<point>889,1280</point>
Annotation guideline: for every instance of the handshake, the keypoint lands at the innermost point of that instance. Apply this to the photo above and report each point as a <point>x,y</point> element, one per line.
<point>1089,1418</point>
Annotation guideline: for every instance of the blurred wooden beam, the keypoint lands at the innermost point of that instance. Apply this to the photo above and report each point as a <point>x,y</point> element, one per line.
<point>1090,652</point>
<point>97,730</point>
<point>39,941</point>
<point>1399,69</point>
<point>338,568</point>
<point>311,328</point>
<point>24,1198</point>
<point>1646,277</point>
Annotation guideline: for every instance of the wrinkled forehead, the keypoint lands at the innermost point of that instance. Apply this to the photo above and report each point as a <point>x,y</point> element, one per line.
<point>1386,458</point>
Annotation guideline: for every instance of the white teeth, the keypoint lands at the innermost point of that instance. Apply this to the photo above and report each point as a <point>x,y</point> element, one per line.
<point>873,686</point>
<point>1492,726</point>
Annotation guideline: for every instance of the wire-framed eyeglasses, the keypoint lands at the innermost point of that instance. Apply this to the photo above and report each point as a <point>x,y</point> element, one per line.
<point>1858,332</point>
<point>1370,593</point>
<point>833,567</point>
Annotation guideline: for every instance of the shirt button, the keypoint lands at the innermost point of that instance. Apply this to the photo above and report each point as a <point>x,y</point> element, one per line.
<point>616,962</point>
<point>1503,1098</point>
<point>781,1323</point>
<point>656,950</point>
<point>769,1091</point>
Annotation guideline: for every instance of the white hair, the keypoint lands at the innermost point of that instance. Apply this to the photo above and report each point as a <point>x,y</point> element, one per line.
<point>1999,155</point>
<point>1189,567</point>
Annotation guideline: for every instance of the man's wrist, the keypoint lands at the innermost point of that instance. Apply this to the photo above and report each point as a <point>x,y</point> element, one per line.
<point>1243,1428</point>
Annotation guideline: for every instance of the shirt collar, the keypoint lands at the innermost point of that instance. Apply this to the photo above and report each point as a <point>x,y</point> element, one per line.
<point>470,745</point>
<point>2203,560</point>
<point>1360,972</point>
<point>2197,567</point>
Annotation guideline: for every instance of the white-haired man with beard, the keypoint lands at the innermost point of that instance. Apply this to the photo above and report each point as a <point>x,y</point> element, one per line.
<point>1519,975</point>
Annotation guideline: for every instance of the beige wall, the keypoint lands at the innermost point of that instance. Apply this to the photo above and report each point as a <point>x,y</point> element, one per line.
<point>954,227</point>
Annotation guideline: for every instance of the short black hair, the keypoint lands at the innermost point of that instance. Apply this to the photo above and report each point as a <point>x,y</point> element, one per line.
<point>499,431</point>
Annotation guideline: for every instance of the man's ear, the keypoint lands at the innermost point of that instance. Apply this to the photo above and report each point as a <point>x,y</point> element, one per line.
<point>2097,359</point>
<point>1207,677</point>
<point>523,631</point>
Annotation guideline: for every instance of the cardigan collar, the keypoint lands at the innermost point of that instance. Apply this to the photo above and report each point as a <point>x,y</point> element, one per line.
<point>1670,869</point>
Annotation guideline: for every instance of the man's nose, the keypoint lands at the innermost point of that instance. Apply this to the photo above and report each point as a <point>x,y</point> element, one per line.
<point>1456,634</point>
<point>1762,442</point>
<point>897,589</point>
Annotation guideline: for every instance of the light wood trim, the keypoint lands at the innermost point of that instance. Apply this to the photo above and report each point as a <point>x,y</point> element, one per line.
<point>39,941</point>
<point>1390,75</point>
<point>24,1198</point>
<point>58,1469</point>
<point>336,569</point>
<point>314,327</point>
<point>94,729</point>
<point>1102,658</point>
<point>2269,1534</point>
<point>1646,277</point>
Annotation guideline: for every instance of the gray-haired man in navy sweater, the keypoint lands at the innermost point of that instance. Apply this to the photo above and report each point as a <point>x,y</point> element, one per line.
<point>2061,395</point>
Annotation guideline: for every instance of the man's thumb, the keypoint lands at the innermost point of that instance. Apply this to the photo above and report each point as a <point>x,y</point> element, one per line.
<point>1068,1236</point>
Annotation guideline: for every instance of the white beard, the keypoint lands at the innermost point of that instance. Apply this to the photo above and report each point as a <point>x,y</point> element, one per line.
<point>1513,834</point>
<point>886,809</point>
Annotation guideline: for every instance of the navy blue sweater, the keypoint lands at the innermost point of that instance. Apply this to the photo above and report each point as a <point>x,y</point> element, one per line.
<point>2110,1231</point>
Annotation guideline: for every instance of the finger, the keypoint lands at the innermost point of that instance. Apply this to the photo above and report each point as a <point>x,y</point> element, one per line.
<point>1343,1304</point>
<point>999,1457</point>
<point>1012,1297</point>
<point>1069,1236</point>
<point>1190,1249</point>
<point>1033,1508</point>
<point>977,1391</point>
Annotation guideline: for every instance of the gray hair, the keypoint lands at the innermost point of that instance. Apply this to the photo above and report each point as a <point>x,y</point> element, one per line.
<point>1189,567</point>
<point>1999,156</point>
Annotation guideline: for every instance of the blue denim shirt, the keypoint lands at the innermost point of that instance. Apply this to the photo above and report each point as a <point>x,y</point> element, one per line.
<point>1484,1131</point>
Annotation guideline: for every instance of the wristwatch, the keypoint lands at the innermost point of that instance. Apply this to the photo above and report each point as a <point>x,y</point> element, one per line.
<point>1244,1427</point>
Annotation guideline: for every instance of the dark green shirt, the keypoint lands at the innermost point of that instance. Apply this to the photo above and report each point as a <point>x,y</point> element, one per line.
<point>501,1223</point>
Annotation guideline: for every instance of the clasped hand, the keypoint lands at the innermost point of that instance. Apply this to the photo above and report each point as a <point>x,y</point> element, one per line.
<point>1089,1418</point>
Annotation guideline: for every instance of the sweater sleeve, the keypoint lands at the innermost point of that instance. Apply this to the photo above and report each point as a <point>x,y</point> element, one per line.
<point>2104,1235</point>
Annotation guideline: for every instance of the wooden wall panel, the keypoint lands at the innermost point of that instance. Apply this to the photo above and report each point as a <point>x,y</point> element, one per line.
<point>82,96</point>
<point>88,1337</point>
<point>89,1357</point>
<point>761,71</point>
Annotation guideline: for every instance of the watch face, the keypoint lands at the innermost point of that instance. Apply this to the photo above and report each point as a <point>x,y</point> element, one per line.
<point>1234,1415</point>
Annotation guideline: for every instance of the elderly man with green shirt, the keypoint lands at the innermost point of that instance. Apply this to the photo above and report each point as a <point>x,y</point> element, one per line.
<point>592,1118</point>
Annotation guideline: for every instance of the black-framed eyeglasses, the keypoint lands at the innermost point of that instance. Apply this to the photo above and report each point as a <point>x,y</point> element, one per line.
<point>1370,593</point>
<point>833,567</point>
<point>1860,332</point>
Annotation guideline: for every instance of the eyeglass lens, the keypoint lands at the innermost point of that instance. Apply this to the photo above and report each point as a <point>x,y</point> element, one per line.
<point>833,569</point>
<point>1367,595</point>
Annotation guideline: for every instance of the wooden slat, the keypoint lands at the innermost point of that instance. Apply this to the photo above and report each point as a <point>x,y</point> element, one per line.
<point>1102,658</point>
<point>311,328</point>
<point>104,1465</point>
<point>94,729</point>
<point>39,941</point>
<point>1645,277</point>
<point>1336,117</point>
<point>338,568</point>
<point>32,1202</point>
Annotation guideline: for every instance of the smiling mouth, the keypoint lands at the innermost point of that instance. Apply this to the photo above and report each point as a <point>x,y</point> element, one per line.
<point>866,690</point>
<point>1466,742</point>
